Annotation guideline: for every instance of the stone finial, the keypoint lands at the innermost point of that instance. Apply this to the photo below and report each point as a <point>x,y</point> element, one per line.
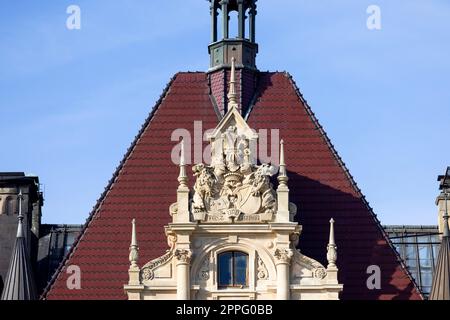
<point>232,95</point>
<point>182,178</point>
<point>134,249</point>
<point>282,176</point>
<point>332,248</point>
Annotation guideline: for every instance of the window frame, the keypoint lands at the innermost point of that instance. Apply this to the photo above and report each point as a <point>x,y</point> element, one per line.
<point>233,285</point>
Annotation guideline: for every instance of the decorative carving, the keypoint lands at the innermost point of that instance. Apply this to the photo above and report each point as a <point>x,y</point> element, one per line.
<point>306,261</point>
<point>263,274</point>
<point>183,255</point>
<point>332,255</point>
<point>284,255</point>
<point>172,240</point>
<point>173,209</point>
<point>233,189</point>
<point>269,244</point>
<point>320,273</point>
<point>147,272</point>
<point>204,270</point>
<point>295,237</point>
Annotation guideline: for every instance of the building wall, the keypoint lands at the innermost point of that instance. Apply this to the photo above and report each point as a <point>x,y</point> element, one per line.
<point>47,244</point>
<point>10,186</point>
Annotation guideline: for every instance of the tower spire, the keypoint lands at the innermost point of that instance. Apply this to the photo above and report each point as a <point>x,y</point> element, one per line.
<point>241,46</point>
<point>232,95</point>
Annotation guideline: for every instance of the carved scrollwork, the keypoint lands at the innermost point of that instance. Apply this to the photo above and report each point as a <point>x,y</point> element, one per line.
<point>173,209</point>
<point>148,271</point>
<point>307,261</point>
<point>148,274</point>
<point>204,271</point>
<point>319,273</point>
<point>263,274</point>
<point>172,240</point>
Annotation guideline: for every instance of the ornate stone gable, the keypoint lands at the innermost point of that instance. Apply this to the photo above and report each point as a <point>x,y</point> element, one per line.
<point>233,189</point>
<point>233,211</point>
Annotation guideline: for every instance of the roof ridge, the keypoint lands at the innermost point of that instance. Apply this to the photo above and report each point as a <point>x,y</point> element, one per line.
<point>350,177</point>
<point>99,202</point>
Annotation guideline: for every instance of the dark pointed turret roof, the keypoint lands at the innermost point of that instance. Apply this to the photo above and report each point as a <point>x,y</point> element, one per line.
<point>19,282</point>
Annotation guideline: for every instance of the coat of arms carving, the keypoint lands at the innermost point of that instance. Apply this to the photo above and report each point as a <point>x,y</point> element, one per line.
<point>233,188</point>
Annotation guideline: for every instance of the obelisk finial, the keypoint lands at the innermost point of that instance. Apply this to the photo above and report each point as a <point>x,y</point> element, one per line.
<point>282,175</point>
<point>134,249</point>
<point>232,95</point>
<point>332,248</point>
<point>182,178</point>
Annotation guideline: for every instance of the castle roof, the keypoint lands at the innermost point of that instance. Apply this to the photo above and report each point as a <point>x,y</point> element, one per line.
<point>144,186</point>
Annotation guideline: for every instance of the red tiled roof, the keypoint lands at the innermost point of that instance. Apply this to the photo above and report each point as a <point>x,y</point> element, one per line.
<point>145,183</point>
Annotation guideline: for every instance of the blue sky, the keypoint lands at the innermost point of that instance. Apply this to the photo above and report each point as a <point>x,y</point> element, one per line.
<point>71,101</point>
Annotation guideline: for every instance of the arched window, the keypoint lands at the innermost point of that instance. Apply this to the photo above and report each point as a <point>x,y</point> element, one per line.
<point>234,25</point>
<point>233,269</point>
<point>10,206</point>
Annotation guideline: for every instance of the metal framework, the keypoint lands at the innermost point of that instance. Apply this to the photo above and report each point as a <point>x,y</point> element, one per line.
<point>418,247</point>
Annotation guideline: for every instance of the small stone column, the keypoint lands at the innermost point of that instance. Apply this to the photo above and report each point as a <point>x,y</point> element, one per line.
<point>252,14</point>
<point>183,257</point>
<point>213,21</point>
<point>225,19</point>
<point>241,19</point>
<point>283,257</point>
